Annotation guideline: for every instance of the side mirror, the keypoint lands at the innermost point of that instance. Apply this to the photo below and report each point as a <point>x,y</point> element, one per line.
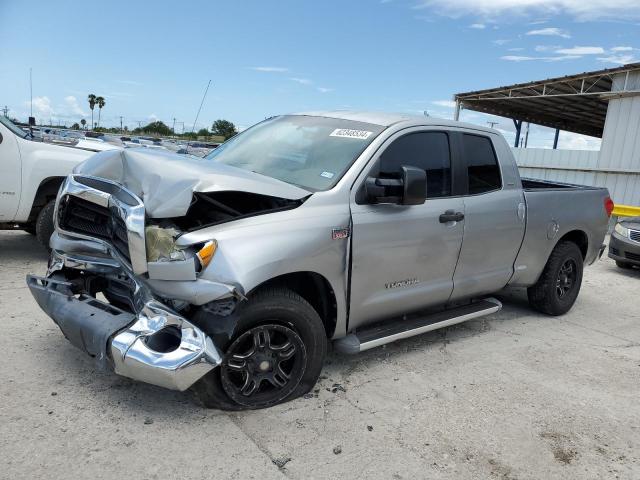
<point>415,186</point>
<point>409,189</point>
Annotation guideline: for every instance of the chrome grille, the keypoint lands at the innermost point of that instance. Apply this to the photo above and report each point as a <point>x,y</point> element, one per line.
<point>87,218</point>
<point>634,235</point>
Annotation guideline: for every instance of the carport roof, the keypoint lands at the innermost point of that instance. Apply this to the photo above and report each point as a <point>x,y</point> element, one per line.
<point>575,103</point>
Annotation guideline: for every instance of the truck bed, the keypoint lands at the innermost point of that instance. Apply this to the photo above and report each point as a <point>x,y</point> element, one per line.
<point>533,184</point>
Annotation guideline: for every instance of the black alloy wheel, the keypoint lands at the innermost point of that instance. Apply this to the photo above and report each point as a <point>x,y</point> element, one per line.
<point>566,278</point>
<point>263,365</point>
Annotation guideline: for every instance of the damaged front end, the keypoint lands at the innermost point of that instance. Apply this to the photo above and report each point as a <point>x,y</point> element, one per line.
<point>124,292</point>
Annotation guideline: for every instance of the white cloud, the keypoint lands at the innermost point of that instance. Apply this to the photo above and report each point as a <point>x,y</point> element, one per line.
<point>516,49</point>
<point>478,26</point>
<point>582,10</point>
<point>575,141</point>
<point>546,48</point>
<point>622,49</point>
<point>581,51</point>
<point>518,58</point>
<point>41,106</point>
<point>73,106</point>
<point>270,69</point>
<point>301,81</point>
<point>501,41</point>
<point>524,58</point>
<point>445,103</point>
<point>618,59</point>
<point>325,89</point>
<point>549,32</point>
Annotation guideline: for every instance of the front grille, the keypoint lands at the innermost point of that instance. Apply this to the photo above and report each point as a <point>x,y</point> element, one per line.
<point>632,256</point>
<point>634,235</point>
<point>614,251</point>
<point>80,216</point>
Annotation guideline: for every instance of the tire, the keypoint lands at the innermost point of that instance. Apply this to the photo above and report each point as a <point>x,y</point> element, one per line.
<point>623,265</point>
<point>277,311</point>
<point>545,296</point>
<point>44,224</point>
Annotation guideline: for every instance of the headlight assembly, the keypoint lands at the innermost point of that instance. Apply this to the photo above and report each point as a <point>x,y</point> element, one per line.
<point>621,230</point>
<point>161,247</point>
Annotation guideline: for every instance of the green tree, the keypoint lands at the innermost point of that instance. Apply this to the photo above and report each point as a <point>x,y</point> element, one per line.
<point>92,104</point>
<point>203,132</point>
<point>224,128</point>
<point>75,126</point>
<point>100,101</point>
<point>83,122</point>
<point>158,128</point>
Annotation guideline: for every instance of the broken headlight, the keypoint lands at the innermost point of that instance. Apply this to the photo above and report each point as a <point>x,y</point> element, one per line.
<point>161,247</point>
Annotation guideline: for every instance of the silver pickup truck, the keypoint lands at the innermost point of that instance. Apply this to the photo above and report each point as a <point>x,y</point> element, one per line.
<point>228,275</point>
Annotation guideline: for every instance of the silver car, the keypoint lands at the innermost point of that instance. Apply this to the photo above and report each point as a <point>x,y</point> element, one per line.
<point>229,275</point>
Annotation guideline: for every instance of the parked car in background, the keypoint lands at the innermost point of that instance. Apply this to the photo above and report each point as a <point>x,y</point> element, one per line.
<point>228,275</point>
<point>31,173</point>
<point>624,244</point>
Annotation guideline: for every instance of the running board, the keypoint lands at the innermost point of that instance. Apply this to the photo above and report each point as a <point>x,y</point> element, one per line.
<point>392,330</point>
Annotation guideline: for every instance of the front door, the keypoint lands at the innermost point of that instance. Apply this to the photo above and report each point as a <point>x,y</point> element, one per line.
<point>10,172</point>
<point>404,257</point>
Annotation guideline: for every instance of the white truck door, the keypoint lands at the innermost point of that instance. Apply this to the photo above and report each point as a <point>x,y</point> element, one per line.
<point>10,174</point>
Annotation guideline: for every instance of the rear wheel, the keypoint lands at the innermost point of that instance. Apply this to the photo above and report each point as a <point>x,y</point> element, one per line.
<point>44,224</point>
<point>556,290</point>
<point>275,355</point>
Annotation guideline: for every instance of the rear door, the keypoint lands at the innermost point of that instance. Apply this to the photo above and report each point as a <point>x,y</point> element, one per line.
<point>10,175</point>
<point>494,220</point>
<point>404,256</point>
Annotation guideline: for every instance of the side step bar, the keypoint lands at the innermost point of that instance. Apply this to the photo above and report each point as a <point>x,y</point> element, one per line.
<point>392,330</point>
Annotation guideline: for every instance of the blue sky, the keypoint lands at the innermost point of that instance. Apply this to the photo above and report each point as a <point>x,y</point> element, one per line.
<point>152,60</point>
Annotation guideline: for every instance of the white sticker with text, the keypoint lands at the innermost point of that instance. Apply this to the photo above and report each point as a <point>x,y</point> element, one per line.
<point>348,133</point>
<point>327,174</point>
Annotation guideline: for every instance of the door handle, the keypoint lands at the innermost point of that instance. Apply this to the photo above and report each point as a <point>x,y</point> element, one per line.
<point>451,216</point>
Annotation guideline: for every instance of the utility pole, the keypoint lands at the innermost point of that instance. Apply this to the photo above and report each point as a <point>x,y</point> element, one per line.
<point>120,123</point>
<point>173,129</point>
<point>5,111</point>
<point>526,135</point>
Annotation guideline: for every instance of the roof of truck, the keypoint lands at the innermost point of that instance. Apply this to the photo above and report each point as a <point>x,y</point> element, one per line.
<point>388,119</point>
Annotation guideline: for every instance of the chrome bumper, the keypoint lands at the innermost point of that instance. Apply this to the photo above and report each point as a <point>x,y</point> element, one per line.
<point>153,345</point>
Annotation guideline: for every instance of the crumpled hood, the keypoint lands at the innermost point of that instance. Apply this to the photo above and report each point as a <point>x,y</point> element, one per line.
<point>166,181</point>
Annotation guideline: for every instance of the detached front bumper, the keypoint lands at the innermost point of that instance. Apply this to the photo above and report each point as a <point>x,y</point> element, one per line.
<point>153,345</point>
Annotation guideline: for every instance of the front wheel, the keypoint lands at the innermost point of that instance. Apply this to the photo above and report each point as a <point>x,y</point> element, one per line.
<point>556,290</point>
<point>275,355</point>
<point>44,224</point>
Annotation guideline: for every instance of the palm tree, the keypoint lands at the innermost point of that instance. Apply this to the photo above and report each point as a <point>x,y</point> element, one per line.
<point>83,122</point>
<point>101,103</point>
<point>92,104</point>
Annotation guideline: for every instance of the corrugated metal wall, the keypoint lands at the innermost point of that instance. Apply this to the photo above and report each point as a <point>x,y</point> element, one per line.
<point>581,167</point>
<point>616,166</point>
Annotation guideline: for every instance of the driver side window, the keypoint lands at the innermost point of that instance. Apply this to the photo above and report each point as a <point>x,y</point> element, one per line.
<point>428,151</point>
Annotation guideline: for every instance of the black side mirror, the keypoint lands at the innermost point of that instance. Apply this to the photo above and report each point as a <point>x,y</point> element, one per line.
<point>409,189</point>
<point>415,186</point>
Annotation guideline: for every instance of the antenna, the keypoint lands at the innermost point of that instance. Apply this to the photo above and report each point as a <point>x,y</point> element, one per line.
<point>198,114</point>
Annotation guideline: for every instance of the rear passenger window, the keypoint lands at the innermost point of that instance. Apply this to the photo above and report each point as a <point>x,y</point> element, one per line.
<point>482,165</point>
<point>426,150</point>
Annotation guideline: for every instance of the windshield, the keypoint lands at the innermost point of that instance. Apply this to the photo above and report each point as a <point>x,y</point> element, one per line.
<point>311,152</point>
<point>11,126</point>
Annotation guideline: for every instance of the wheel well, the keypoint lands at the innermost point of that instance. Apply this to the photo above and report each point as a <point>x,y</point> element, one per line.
<point>315,289</point>
<point>579,238</point>
<point>47,191</point>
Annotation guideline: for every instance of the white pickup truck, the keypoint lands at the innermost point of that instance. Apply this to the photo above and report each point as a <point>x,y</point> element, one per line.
<point>31,173</point>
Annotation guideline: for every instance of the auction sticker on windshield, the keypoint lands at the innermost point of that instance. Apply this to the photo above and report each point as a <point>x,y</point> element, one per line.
<point>348,133</point>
